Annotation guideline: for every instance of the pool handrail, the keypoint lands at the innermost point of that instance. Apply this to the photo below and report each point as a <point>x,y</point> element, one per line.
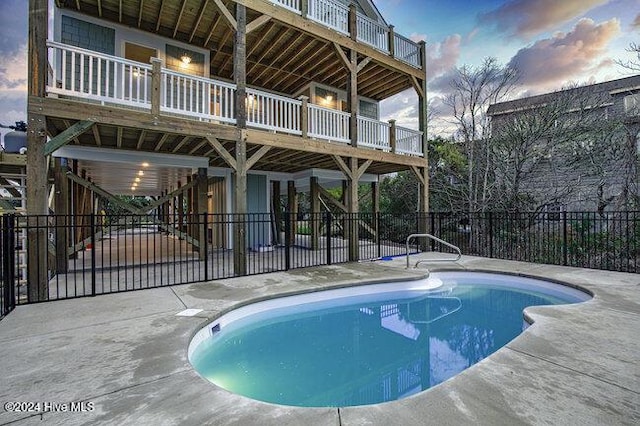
<point>434,238</point>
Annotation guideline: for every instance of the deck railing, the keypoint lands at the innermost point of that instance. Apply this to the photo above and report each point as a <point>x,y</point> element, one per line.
<point>80,73</point>
<point>408,141</point>
<point>327,123</point>
<point>273,112</point>
<point>333,15</point>
<point>372,33</point>
<point>91,75</point>
<point>406,50</point>
<point>373,133</point>
<point>197,96</point>
<point>293,5</point>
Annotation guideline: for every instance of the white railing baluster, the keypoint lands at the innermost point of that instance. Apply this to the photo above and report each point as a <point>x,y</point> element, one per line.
<point>409,141</point>
<point>293,5</point>
<point>332,14</point>
<point>372,33</point>
<point>406,50</point>
<point>373,134</point>
<point>326,123</point>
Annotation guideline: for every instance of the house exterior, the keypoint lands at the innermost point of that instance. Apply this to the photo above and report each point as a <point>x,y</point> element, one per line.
<point>230,103</point>
<point>589,151</point>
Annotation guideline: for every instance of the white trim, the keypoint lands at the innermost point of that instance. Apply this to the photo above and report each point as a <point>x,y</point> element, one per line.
<point>130,157</point>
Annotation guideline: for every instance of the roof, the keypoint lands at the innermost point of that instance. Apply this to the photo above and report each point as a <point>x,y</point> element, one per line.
<point>611,87</point>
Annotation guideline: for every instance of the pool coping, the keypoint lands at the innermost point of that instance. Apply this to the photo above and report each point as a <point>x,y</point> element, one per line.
<point>575,364</point>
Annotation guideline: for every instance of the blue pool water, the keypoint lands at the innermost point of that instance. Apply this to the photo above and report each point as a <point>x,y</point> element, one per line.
<point>367,345</point>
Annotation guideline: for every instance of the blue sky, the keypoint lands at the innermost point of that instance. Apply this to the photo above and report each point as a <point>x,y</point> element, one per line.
<point>553,43</point>
<point>556,42</point>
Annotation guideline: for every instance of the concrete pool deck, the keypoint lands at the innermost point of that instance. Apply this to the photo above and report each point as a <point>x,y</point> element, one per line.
<point>126,355</point>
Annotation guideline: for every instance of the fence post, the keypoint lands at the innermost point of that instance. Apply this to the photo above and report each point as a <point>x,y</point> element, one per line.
<point>432,230</point>
<point>92,224</point>
<point>378,231</point>
<point>287,240</point>
<point>490,218</point>
<point>565,254</point>
<point>204,243</point>
<point>328,238</point>
<point>8,263</point>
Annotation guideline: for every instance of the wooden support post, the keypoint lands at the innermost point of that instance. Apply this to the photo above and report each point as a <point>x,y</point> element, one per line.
<point>304,116</point>
<point>292,207</point>
<point>37,203</point>
<point>276,207</point>
<point>353,22</point>
<point>375,207</point>
<point>315,214</point>
<point>422,121</point>
<point>156,83</point>
<point>352,209</point>
<point>392,136</point>
<point>240,199</point>
<point>240,66</point>
<point>392,42</point>
<point>61,206</point>
<point>304,8</point>
<point>202,187</point>
<point>352,97</point>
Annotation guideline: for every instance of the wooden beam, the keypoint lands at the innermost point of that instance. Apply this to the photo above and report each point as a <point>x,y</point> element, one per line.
<point>418,174</point>
<point>226,156</point>
<point>159,17</point>
<point>161,142</point>
<point>66,136</point>
<point>143,134</point>
<point>343,166</point>
<point>175,30</point>
<point>229,17</point>
<point>181,143</point>
<point>198,19</point>
<point>257,23</point>
<point>120,11</point>
<point>96,134</point>
<point>363,168</point>
<point>240,66</point>
<point>198,146</point>
<point>363,63</point>
<point>140,13</point>
<point>327,195</point>
<point>114,116</point>
<point>214,24</point>
<point>342,55</point>
<point>100,8</point>
<point>417,86</point>
<point>257,156</point>
<point>119,137</point>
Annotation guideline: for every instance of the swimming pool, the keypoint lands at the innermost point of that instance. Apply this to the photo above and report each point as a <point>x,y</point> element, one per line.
<point>367,344</point>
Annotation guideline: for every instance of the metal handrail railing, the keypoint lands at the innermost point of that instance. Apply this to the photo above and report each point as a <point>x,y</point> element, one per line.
<point>434,238</point>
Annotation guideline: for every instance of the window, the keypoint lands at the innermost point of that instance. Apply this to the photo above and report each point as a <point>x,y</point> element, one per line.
<point>139,53</point>
<point>326,98</point>
<point>368,109</point>
<point>632,104</point>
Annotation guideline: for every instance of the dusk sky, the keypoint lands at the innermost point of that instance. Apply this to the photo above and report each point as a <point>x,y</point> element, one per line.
<point>553,43</point>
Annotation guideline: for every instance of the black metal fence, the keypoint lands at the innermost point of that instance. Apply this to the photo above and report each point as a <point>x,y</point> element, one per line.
<point>99,254</point>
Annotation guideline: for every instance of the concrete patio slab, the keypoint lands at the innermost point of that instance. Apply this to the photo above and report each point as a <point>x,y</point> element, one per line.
<point>126,355</point>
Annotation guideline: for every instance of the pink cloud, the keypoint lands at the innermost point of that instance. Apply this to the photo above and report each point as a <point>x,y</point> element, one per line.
<point>526,18</point>
<point>549,63</point>
<point>443,56</point>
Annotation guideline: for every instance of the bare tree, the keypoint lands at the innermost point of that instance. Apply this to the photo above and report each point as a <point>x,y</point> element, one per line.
<point>473,90</point>
<point>632,64</point>
<point>551,147</point>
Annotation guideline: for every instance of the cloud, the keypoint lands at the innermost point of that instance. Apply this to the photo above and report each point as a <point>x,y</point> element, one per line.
<point>418,37</point>
<point>526,18</point>
<point>14,24</point>
<point>443,56</point>
<point>636,23</point>
<point>565,56</point>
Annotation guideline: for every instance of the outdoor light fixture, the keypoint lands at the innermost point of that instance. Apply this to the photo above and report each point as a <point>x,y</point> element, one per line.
<point>145,164</point>
<point>140,173</point>
<point>137,179</point>
<point>186,59</point>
